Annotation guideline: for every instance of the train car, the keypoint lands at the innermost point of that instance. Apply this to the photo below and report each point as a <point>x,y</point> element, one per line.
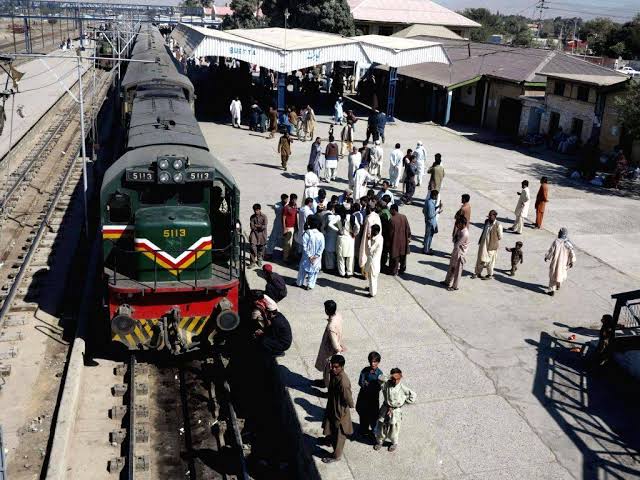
<point>171,235</point>
<point>163,72</point>
<point>104,50</point>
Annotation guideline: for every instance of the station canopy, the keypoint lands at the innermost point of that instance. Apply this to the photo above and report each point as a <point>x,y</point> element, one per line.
<point>293,49</point>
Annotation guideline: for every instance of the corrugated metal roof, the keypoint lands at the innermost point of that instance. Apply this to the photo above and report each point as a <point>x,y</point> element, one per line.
<point>408,12</point>
<point>471,60</point>
<point>434,31</point>
<point>597,80</point>
<point>286,51</point>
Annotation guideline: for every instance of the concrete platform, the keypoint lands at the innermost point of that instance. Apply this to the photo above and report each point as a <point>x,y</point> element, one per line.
<point>500,394</point>
<point>43,84</point>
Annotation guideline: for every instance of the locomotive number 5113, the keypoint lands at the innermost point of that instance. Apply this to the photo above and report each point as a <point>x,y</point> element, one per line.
<point>174,232</point>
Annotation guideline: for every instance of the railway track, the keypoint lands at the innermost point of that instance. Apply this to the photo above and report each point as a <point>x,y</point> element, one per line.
<point>177,422</point>
<point>33,207</point>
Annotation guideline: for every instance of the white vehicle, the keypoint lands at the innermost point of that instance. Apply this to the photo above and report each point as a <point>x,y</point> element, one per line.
<point>629,71</point>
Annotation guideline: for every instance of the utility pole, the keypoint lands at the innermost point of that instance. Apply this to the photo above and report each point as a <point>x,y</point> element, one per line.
<point>541,8</point>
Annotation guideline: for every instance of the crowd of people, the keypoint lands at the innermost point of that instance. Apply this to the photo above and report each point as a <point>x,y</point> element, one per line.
<point>363,232</point>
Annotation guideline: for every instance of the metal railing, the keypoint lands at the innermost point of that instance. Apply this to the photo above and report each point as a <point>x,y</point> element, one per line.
<point>231,256</point>
<point>626,312</point>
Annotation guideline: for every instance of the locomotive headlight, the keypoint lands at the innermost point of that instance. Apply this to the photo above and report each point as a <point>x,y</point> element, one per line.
<point>163,164</point>
<point>164,177</point>
<point>178,177</point>
<point>178,164</point>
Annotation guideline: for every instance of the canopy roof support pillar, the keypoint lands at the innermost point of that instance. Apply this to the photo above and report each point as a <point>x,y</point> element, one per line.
<point>447,113</point>
<point>282,91</point>
<point>391,97</point>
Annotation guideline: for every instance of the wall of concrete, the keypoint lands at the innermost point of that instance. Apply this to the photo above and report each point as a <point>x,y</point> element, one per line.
<point>497,91</point>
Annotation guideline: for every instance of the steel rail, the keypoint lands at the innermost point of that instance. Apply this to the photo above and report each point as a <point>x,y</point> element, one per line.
<point>63,122</point>
<point>6,305</point>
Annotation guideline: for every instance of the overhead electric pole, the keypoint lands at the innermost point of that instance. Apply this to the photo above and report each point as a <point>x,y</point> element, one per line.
<point>540,6</point>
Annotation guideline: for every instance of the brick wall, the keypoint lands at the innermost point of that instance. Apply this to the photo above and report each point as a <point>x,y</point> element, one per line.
<point>611,130</point>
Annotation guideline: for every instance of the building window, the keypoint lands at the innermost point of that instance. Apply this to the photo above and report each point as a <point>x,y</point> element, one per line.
<point>558,88</point>
<point>583,93</point>
<point>387,31</point>
<point>576,128</point>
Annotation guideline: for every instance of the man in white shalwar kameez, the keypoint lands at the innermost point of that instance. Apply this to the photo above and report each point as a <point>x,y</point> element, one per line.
<point>488,246</point>
<point>373,250</point>
<point>311,182</point>
<point>303,213</point>
<point>372,219</point>
<point>561,256</point>
<point>360,179</point>
<point>354,159</point>
<point>311,262</point>
<point>421,158</point>
<point>395,165</point>
<point>396,395</point>
<point>522,208</point>
<point>375,162</point>
<point>236,111</point>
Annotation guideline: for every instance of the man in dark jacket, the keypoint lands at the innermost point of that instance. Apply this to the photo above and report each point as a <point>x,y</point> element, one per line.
<point>276,288</point>
<point>337,416</point>
<point>276,337</point>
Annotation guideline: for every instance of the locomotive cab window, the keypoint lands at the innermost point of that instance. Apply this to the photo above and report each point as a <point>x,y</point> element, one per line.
<point>119,207</point>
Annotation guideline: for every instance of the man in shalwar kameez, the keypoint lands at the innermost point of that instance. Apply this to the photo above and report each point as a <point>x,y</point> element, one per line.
<point>312,248</point>
<point>522,208</point>
<point>372,219</point>
<point>561,256</point>
<point>311,182</point>
<point>395,165</point>
<point>360,179</point>
<point>488,246</point>
<point>395,395</point>
<point>421,158</point>
<point>458,255</point>
<point>375,165</point>
<point>336,423</point>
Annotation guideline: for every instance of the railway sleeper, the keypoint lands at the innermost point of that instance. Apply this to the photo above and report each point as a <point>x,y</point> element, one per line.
<point>118,412</point>
<point>8,353</point>
<point>116,464</point>
<point>11,337</point>
<point>14,321</point>
<point>119,389</point>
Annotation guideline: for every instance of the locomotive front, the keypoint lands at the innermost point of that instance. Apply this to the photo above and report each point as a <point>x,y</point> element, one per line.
<point>171,249</point>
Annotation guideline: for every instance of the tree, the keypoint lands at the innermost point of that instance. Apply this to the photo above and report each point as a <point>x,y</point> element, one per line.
<point>244,15</point>
<point>331,16</point>
<point>617,49</point>
<point>628,106</point>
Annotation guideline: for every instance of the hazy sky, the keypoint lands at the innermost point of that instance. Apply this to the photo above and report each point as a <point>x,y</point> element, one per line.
<point>618,10</point>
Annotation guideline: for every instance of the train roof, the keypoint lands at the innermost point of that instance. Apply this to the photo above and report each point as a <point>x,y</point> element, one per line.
<point>145,156</point>
<point>150,45</point>
<point>163,117</point>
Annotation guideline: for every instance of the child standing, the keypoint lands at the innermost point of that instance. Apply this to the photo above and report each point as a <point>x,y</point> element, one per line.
<point>258,235</point>
<point>368,402</point>
<point>516,257</point>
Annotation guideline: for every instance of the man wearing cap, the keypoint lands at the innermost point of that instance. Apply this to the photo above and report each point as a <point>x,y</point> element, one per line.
<point>275,337</point>
<point>276,287</point>
<point>420,155</point>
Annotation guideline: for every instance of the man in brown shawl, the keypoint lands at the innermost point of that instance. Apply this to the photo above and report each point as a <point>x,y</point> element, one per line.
<point>399,239</point>
<point>337,416</point>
